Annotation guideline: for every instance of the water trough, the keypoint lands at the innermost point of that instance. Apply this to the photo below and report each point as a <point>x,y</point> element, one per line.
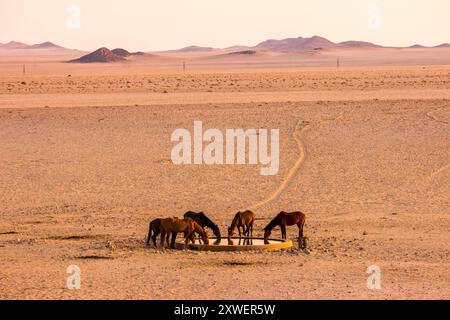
<point>236,244</point>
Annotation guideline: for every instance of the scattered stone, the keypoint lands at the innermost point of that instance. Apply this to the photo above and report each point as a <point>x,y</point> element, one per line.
<point>111,245</point>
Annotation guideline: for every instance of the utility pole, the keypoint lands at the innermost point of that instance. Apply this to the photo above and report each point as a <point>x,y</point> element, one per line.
<point>184,66</point>
<point>338,63</point>
<point>23,70</point>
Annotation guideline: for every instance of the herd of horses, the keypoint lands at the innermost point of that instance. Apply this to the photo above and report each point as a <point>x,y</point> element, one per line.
<point>195,223</point>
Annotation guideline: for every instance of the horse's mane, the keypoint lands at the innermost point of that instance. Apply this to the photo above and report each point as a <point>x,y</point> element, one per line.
<point>208,222</point>
<point>201,217</point>
<point>273,223</point>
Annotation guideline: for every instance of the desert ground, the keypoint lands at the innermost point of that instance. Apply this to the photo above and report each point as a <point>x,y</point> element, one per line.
<point>86,163</point>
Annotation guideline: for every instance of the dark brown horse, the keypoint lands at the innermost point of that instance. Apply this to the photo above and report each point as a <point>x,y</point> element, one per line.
<point>155,227</point>
<point>284,219</point>
<point>242,220</point>
<point>204,222</point>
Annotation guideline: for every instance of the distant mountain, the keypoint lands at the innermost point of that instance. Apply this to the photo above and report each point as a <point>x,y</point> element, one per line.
<point>358,44</point>
<point>294,44</point>
<point>287,44</point>
<point>193,49</point>
<point>14,45</point>
<point>313,43</point>
<point>45,45</point>
<point>125,53</point>
<point>417,46</point>
<point>100,55</point>
<point>121,52</point>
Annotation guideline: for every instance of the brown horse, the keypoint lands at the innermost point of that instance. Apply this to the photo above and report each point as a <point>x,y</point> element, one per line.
<point>242,220</point>
<point>198,229</point>
<point>284,219</point>
<point>175,225</point>
<point>154,227</point>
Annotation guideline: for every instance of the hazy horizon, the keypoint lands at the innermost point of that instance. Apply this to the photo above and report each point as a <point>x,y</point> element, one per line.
<point>172,24</point>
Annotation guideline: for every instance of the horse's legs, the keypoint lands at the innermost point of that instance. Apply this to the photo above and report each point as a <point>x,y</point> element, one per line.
<point>163,238</point>
<point>247,231</point>
<point>283,231</point>
<point>300,234</point>
<point>174,237</point>
<point>300,230</point>
<point>155,234</point>
<point>187,237</point>
<point>149,232</point>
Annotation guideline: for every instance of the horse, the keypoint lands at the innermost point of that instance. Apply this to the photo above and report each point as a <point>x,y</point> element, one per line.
<point>154,226</point>
<point>204,221</point>
<point>173,226</point>
<point>198,229</point>
<point>284,219</point>
<point>242,220</point>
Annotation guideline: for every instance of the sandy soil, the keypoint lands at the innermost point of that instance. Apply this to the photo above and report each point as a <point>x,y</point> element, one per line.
<point>85,164</point>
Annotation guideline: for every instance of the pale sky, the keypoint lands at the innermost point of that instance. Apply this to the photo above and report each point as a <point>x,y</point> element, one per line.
<point>169,24</point>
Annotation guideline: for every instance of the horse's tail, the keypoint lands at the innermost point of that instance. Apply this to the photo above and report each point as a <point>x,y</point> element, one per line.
<point>150,228</point>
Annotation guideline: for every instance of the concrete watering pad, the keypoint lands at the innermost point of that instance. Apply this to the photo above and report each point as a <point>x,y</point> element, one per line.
<point>236,244</point>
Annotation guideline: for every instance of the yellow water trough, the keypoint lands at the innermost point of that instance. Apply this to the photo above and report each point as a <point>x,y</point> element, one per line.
<point>236,244</point>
